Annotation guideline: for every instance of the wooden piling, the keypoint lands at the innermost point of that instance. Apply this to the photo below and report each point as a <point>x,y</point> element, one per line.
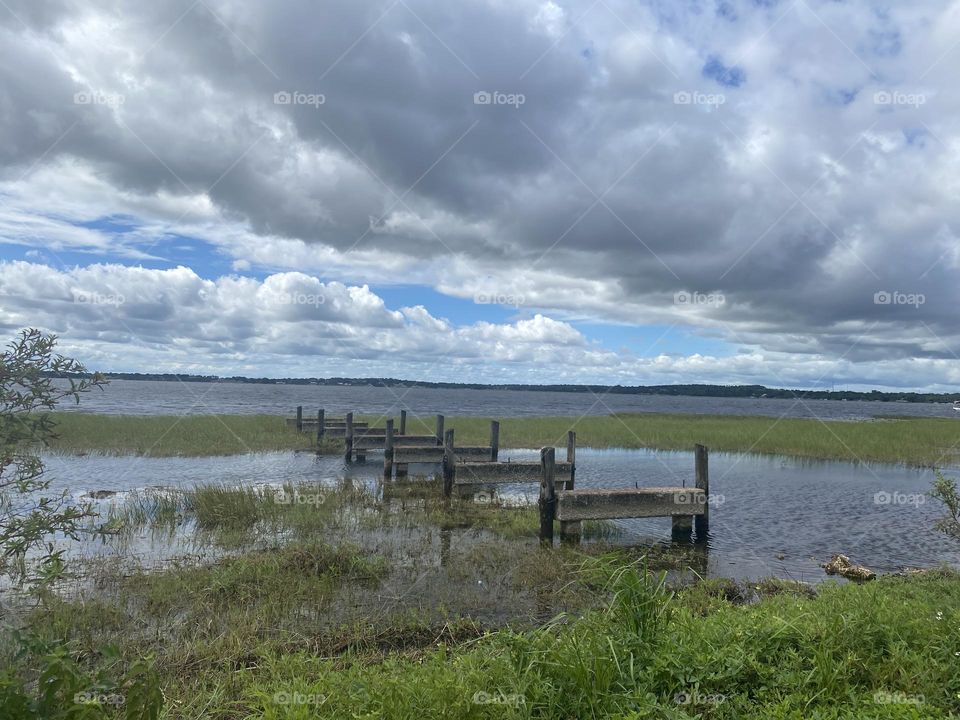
<point>439,429</point>
<point>681,527</point>
<point>320,421</point>
<point>403,422</point>
<point>494,440</point>
<point>299,418</point>
<point>449,467</point>
<point>571,530</point>
<point>548,495</point>
<point>702,522</point>
<point>348,437</point>
<point>388,451</point>
<point>572,456</point>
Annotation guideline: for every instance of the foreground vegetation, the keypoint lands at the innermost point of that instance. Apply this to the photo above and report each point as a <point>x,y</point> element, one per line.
<point>333,602</point>
<point>237,640</point>
<point>916,441</point>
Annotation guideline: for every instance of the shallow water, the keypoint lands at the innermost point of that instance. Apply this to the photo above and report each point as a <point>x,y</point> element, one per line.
<point>770,516</point>
<point>143,397</point>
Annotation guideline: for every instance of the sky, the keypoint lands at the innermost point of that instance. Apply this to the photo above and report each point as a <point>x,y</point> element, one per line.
<point>526,191</point>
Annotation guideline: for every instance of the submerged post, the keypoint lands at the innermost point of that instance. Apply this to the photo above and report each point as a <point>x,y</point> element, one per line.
<point>570,530</point>
<point>494,440</point>
<point>702,522</point>
<point>449,468</point>
<point>388,451</point>
<point>299,418</point>
<point>439,429</point>
<point>348,436</point>
<point>403,422</point>
<point>320,421</point>
<point>548,495</point>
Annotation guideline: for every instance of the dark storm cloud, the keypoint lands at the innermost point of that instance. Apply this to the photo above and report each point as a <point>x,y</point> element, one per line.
<point>653,151</point>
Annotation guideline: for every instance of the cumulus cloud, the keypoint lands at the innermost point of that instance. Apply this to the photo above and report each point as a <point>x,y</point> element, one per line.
<point>796,159</point>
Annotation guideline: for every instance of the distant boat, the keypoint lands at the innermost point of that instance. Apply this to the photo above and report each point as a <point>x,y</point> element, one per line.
<point>956,405</point>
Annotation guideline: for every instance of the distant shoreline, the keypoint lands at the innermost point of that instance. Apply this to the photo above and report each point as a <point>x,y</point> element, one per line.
<point>757,392</point>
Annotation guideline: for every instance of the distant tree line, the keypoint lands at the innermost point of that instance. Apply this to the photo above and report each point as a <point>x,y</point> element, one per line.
<point>694,390</point>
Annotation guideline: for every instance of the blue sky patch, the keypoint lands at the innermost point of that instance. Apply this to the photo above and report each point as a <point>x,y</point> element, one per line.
<point>726,76</point>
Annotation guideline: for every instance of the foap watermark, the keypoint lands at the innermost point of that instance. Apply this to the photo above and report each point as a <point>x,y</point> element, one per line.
<point>699,497</point>
<point>298,698</point>
<point>95,298</point>
<point>498,698</point>
<point>498,298</point>
<point>96,97</point>
<point>282,497</point>
<point>898,498</point>
<point>698,298</point>
<point>299,98</point>
<point>895,297</point>
<point>884,697</point>
<point>695,697</point>
<point>496,97</point>
<point>91,697</point>
<point>896,97</point>
<point>300,298</point>
<point>694,97</point>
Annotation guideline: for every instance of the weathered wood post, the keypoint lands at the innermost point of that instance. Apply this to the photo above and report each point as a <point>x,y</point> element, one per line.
<point>439,429</point>
<point>388,451</point>
<point>449,467</point>
<point>702,522</point>
<point>572,456</point>
<point>320,421</point>
<point>348,436</point>
<point>548,495</point>
<point>494,440</point>
<point>299,418</point>
<point>570,530</point>
<point>403,422</point>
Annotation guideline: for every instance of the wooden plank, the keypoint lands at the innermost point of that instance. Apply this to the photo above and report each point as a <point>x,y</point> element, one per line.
<point>494,440</point>
<point>412,440</point>
<point>300,418</point>
<point>489,473</point>
<point>419,454</point>
<point>473,453</point>
<point>629,503</point>
<point>403,422</point>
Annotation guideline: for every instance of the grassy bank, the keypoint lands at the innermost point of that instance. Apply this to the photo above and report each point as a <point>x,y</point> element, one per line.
<point>242,639</point>
<point>333,602</point>
<point>921,441</point>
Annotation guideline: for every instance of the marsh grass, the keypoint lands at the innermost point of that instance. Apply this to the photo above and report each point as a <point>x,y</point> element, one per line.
<point>166,435</point>
<point>914,441</point>
<point>419,607</point>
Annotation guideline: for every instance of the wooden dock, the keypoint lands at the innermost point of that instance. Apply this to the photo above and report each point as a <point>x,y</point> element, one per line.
<point>687,507</point>
<point>466,468</point>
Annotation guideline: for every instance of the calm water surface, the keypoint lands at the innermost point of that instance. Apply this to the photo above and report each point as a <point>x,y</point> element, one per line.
<point>771,516</point>
<point>130,397</point>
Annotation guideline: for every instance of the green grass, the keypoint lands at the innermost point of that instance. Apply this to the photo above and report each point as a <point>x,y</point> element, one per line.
<point>239,639</point>
<point>418,607</point>
<point>918,441</point>
<point>167,435</point>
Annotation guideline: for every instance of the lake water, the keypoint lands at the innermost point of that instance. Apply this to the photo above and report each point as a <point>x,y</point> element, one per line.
<point>130,397</point>
<point>770,516</point>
